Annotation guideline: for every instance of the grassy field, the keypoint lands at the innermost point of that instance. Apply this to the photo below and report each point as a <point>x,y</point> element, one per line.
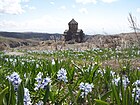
<point>71,77</point>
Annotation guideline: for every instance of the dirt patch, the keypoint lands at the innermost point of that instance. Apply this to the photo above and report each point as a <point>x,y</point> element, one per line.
<point>14,53</point>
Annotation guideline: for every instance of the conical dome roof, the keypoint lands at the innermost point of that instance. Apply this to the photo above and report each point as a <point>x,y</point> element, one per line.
<point>73,22</point>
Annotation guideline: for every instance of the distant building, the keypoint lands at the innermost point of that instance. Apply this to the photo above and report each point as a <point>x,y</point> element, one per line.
<point>74,33</point>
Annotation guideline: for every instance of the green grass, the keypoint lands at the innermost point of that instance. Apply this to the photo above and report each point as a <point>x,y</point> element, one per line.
<point>81,66</point>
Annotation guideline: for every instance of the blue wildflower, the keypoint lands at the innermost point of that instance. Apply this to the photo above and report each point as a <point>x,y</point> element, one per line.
<point>116,81</point>
<point>41,83</point>
<point>39,80</point>
<point>62,75</point>
<point>86,88</point>
<point>137,83</point>
<point>27,99</point>
<point>14,78</point>
<point>125,81</point>
<point>136,91</point>
<point>45,82</point>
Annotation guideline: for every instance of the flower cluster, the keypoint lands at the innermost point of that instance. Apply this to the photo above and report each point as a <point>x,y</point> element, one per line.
<point>86,88</point>
<point>27,99</point>
<point>39,80</point>
<point>136,91</point>
<point>62,75</point>
<point>137,83</point>
<point>125,81</point>
<point>116,81</point>
<point>14,78</point>
<point>41,83</point>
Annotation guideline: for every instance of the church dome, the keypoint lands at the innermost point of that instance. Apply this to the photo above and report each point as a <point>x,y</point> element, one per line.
<point>73,22</point>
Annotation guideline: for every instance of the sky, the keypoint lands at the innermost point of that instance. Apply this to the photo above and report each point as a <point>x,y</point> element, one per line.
<point>52,16</point>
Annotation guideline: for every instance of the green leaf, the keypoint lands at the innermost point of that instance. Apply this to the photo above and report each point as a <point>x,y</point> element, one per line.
<point>80,69</point>
<point>100,102</point>
<point>93,72</point>
<point>46,94</point>
<point>2,95</point>
<point>107,94</point>
<point>27,80</point>
<point>78,95</point>
<point>20,95</point>
<point>89,101</point>
<point>116,94</point>
<point>12,97</point>
<point>52,96</point>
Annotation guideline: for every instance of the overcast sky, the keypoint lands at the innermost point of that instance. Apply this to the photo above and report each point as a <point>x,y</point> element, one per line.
<point>52,16</point>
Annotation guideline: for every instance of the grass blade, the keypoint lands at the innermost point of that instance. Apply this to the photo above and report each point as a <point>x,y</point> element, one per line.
<point>100,102</point>
<point>2,95</point>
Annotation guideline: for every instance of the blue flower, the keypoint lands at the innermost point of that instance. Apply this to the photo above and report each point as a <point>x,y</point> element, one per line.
<point>45,82</point>
<point>136,93</point>
<point>137,83</point>
<point>27,99</point>
<point>85,88</point>
<point>41,83</point>
<point>14,78</point>
<point>39,77</point>
<point>62,75</point>
<point>116,81</point>
<point>125,81</point>
<point>39,80</point>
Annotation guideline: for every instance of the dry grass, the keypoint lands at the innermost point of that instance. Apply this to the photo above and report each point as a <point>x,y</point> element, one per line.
<point>115,64</point>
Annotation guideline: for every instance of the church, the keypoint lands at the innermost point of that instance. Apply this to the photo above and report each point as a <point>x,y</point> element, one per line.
<point>73,33</point>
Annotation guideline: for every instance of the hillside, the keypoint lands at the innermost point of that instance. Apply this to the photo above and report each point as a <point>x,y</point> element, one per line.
<point>121,40</point>
<point>29,35</point>
<point>6,42</point>
<point>43,41</point>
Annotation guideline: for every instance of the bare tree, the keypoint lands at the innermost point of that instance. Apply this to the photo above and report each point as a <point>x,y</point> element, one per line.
<point>134,26</point>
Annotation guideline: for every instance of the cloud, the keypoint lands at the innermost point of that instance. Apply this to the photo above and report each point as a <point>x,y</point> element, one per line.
<point>83,10</point>
<point>25,0</point>
<point>86,1</point>
<point>54,24</point>
<point>52,3</point>
<point>138,10</point>
<point>73,6</point>
<point>9,24</point>
<point>94,1</point>
<point>12,6</point>
<point>109,1</point>
<point>29,7</point>
<point>32,8</point>
<point>44,23</point>
<point>63,7</point>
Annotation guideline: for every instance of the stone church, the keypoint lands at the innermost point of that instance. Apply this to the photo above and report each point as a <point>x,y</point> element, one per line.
<point>73,33</point>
